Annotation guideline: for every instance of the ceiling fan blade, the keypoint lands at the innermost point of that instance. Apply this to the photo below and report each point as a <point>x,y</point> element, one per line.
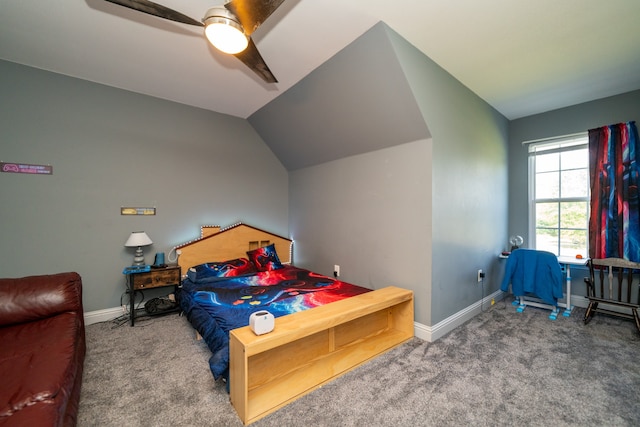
<point>252,59</point>
<point>252,13</point>
<point>158,10</point>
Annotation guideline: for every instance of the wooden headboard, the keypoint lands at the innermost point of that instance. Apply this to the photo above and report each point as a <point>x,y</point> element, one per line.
<point>221,244</point>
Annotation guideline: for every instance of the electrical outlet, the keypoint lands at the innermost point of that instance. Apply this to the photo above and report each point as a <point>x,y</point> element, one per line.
<point>480,275</point>
<point>336,270</point>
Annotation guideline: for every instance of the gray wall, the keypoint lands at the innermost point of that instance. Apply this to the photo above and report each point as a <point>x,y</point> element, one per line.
<point>356,102</point>
<point>370,214</point>
<point>425,215</point>
<point>469,183</point>
<point>564,121</point>
<point>111,148</point>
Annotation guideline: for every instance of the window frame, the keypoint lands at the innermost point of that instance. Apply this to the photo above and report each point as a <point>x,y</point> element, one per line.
<point>549,146</point>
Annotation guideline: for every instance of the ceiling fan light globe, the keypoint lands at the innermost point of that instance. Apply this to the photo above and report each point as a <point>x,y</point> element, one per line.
<point>225,34</point>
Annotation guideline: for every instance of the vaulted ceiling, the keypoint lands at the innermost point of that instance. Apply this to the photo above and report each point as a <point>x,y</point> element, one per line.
<point>522,57</point>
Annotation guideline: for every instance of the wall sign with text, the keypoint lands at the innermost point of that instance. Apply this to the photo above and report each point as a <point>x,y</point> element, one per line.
<point>137,211</point>
<point>26,168</point>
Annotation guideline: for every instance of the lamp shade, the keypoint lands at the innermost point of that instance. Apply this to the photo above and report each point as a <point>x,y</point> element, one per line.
<point>138,238</point>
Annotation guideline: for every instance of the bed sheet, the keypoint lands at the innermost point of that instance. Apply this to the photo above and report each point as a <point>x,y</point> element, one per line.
<point>215,307</point>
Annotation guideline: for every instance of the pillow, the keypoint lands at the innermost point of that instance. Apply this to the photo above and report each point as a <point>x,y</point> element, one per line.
<point>213,271</point>
<point>265,258</point>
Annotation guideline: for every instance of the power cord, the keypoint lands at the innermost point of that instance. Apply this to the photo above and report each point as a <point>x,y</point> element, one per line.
<point>493,304</point>
<point>126,307</point>
<point>126,315</point>
<point>177,253</point>
<point>482,310</point>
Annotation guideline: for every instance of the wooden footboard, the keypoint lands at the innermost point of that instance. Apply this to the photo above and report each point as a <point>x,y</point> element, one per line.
<point>309,348</point>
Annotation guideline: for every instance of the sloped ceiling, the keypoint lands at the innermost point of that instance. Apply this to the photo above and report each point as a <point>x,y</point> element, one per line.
<point>358,101</point>
<point>521,56</point>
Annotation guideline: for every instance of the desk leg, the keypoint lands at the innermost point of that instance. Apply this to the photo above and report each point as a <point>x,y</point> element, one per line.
<point>568,308</point>
<point>132,300</point>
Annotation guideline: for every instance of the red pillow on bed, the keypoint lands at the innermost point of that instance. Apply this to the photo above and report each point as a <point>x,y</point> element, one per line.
<point>212,271</point>
<point>265,258</point>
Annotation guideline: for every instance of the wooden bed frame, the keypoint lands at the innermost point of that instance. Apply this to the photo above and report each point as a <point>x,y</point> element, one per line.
<point>306,349</point>
<point>220,244</point>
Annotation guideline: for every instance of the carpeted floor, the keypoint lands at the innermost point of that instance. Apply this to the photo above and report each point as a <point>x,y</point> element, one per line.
<point>501,368</point>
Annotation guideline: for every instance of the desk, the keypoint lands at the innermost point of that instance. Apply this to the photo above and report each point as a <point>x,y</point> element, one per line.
<point>567,262</point>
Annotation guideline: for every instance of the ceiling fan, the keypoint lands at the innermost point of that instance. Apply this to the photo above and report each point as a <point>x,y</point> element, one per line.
<point>234,22</point>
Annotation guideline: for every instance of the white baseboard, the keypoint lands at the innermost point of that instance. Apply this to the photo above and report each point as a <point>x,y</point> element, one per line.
<point>579,301</point>
<point>432,333</point>
<point>105,315</point>
<point>427,333</point>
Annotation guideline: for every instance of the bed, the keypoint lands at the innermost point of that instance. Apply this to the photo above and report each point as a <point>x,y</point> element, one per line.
<point>323,327</point>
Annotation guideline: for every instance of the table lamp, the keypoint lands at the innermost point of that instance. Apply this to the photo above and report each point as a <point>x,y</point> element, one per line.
<point>138,239</point>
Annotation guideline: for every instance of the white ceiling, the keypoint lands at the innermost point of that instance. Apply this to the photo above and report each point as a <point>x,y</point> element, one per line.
<point>521,56</point>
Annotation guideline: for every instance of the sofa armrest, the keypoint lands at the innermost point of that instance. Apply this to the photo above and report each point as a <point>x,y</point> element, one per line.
<point>35,297</point>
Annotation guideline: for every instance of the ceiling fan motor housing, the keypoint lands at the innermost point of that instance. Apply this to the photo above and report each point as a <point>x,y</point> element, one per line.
<point>228,28</point>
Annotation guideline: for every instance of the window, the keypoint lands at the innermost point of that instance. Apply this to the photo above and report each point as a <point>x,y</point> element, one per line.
<point>559,195</point>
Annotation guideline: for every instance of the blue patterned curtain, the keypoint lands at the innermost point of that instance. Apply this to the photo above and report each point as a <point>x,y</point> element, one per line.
<point>614,223</point>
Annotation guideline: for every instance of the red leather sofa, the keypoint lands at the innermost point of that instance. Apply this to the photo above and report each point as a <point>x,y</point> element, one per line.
<point>42,350</point>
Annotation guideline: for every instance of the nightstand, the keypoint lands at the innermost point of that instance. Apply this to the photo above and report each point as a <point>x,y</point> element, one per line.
<point>154,278</point>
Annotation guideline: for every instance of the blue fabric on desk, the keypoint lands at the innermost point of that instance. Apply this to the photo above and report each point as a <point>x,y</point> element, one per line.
<point>536,272</point>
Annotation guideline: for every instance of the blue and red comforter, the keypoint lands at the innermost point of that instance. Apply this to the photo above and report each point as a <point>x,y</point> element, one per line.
<point>216,306</point>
